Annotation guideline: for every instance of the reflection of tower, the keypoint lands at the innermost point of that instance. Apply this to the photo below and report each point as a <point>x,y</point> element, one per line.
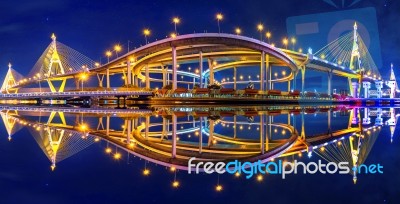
<point>378,119</point>
<point>10,123</point>
<point>392,83</point>
<point>354,116</point>
<point>366,119</point>
<point>353,149</point>
<point>58,144</point>
<point>392,121</point>
<point>379,86</point>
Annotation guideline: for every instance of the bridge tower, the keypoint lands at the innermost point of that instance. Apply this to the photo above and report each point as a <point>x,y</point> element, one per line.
<point>355,62</point>
<point>10,80</point>
<point>392,83</point>
<point>55,68</point>
<point>392,122</point>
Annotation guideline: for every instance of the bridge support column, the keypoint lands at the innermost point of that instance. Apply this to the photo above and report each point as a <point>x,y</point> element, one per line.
<point>201,68</point>
<point>147,77</point>
<point>174,69</point>
<point>234,77</point>
<point>330,82</point>
<point>129,72</point>
<point>366,86</point>
<point>108,78</point>
<point>164,73</point>
<point>173,136</point>
<point>100,78</point>
<point>211,68</point>
<point>303,74</point>
<point>59,89</point>
<point>262,68</point>
<point>267,73</point>
<point>355,89</point>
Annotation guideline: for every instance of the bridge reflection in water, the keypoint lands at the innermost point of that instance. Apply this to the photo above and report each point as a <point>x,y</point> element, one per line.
<point>170,136</point>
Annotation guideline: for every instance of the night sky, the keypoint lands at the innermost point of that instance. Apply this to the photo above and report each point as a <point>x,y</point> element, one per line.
<point>91,27</point>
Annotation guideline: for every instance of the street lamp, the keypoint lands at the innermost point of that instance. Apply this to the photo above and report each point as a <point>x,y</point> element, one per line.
<point>268,35</point>
<point>260,28</point>
<point>146,32</point>
<point>293,41</point>
<point>238,31</point>
<point>108,54</point>
<point>83,77</point>
<point>285,42</point>
<point>219,18</point>
<point>173,35</point>
<point>176,20</point>
<point>117,48</point>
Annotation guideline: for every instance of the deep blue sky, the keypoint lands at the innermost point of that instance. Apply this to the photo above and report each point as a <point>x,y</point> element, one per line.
<point>91,27</point>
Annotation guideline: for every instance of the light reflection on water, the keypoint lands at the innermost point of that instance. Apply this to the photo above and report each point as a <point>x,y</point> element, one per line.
<point>169,136</point>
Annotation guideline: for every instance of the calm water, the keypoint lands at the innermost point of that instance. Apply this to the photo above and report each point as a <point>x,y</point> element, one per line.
<point>70,155</point>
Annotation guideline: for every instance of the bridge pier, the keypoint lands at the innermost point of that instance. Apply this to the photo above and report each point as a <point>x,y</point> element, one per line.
<point>108,78</point>
<point>174,69</point>
<point>366,86</point>
<point>211,68</point>
<point>147,77</point>
<point>262,68</point>
<point>330,82</point>
<point>303,73</point>
<point>234,77</point>
<point>267,73</point>
<point>174,139</point>
<point>129,72</point>
<point>201,68</point>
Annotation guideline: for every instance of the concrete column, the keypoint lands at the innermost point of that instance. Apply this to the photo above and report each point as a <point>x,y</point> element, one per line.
<point>366,86</point>
<point>379,86</point>
<point>211,73</point>
<point>267,73</point>
<point>108,78</point>
<point>366,119</point>
<point>330,82</point>
<point>234,129</point>
<point>164,75</point>
<point>201,68</point>
<point>147,77</point>
<point>303,74</point>
<point>174,69</point>
<point>128,63</point>
<point>355,89</point>
<point>262,68</point>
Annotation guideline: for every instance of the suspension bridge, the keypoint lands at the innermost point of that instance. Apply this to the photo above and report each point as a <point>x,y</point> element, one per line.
<point>161,71</point>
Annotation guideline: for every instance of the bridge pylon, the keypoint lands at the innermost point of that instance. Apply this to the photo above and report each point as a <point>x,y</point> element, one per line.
<point>10,80</point>
<point>55,68</point>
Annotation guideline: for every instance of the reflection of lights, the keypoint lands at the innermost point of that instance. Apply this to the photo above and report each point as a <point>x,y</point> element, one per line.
<point>108,150</point>
<point>241,127</point>
<point>339,143</point>
<point>259,178</point>
<point>172,168</point>
<point>237,174</point>
<point>117,156</point>
<point>146,172</point>
<point>283,132</point>
<point>322,148</point>
<point>218,187</point>
<point>175,184</point>
<point>275,130</point>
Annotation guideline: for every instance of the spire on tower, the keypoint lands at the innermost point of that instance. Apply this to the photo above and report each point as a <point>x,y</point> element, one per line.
<point>9,65</point>
<point>53,37</point>
<point>355,25</point>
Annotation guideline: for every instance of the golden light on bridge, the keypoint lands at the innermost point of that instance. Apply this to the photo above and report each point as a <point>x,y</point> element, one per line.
<point>117,48</point>
<point>176,20</point>
<point>117,156</point>
<point>173,35</point>
<point>218,188</point>
<point>146,32</point>
<point>260,27</point>
<point>172,169</point>
<point>238,31</point>
<point>219,17</point>
<point>285,42</point>
<point>108,150</point>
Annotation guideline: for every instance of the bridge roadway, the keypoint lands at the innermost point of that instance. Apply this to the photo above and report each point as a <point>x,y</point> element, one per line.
<point>73,94</point>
